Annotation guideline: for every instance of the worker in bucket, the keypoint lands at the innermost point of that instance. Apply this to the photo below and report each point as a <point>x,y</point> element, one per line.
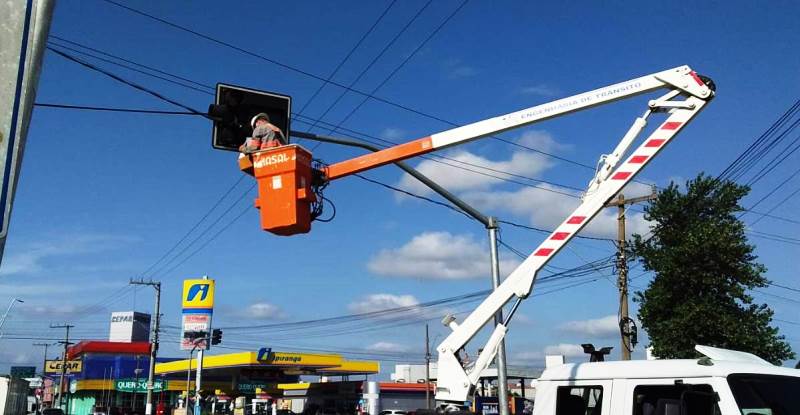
<point>265,135</point>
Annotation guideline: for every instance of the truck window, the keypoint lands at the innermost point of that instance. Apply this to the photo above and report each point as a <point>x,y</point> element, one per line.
<point>579,400</point>
<point>765,394</point>
<point>667,400</point>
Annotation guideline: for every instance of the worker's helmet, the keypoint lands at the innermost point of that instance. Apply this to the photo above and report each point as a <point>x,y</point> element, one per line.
<point>256,118</point>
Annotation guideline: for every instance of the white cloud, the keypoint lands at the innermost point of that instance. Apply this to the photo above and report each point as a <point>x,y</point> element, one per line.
<point>547,206</point>
<point>393,134</point>
<point>566,349</point>
<point>534,357</point>
<point>263,311</point>
<point>543,90</point>
<point>604,327</point>
<point>541,140</point>
<point>53,311</point>
<point>437,255</point>
<point>33,257</point>
<point>523,163</point>
<point>387,347</point>
<point>456,68</point>
<point>378,302</point>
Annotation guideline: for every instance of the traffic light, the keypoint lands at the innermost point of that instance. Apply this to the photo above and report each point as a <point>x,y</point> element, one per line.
<point>233,109</point>
<point>216,336</point>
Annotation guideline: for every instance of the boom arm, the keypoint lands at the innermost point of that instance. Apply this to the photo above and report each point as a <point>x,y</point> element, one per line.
<point>681,79</point>
<point>454,383</point>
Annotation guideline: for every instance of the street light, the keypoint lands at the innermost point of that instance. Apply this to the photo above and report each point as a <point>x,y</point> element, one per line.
<point>5,316</point>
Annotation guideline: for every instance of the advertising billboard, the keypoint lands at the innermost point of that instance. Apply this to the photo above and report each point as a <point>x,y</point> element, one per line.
<point>197,303</point>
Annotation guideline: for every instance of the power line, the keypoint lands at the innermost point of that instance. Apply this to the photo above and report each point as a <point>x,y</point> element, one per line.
<point>312,123</point>
<point>331,82</point>
<point>124,81</point>
<point>196,225</point>
<point>109,109</point>
<point>403,63</point>
<point>207,229</point>
<point>784,287</point>
<point>373,62</point>
<point>348,55</point>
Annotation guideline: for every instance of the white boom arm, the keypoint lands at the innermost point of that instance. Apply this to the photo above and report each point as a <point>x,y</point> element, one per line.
<point>455,384</point>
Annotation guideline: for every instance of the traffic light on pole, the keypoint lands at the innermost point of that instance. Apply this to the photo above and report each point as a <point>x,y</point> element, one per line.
<point>216,336</point>
<point>234,108</point>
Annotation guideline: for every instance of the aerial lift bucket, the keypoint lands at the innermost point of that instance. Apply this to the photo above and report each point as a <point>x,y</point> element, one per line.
<point>284,176</point>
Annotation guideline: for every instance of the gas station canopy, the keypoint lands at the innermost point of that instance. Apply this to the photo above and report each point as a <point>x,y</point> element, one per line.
<point>288,363</point>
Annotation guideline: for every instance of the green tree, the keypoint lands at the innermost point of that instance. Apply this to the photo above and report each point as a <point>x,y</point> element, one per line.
<point>704,267</point>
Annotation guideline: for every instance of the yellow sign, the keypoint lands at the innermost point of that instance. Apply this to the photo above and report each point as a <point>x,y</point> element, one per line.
<point>54,366</point>
<point>198,295</point>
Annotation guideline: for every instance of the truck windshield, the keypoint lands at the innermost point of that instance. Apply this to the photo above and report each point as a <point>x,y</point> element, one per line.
<point>766,394</point>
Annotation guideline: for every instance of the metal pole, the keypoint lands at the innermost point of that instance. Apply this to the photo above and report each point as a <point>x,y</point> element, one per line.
<point>427,370</point>
<point>8,310</point>
<point>136,372</point>
<point>472,212</point>
<point>197,382</point>
<point>188,379</point>
<point>502,381</point>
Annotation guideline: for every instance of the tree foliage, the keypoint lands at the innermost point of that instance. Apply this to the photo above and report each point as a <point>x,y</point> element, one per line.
<point>704,267</point>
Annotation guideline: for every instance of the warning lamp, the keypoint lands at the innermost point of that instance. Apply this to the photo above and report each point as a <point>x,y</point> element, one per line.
<point>233,109</point>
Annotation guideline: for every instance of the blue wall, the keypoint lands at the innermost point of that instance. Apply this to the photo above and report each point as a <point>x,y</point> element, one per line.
<point>99,365</point>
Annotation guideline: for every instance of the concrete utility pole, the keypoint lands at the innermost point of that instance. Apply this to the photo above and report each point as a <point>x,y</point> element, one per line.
<point>66,344</point>
<point>148,409</point>
<point>427,370</point>
<point>500,361</point>
<point>622,267</point>
<point>44,362</point>
<point>23,39</point>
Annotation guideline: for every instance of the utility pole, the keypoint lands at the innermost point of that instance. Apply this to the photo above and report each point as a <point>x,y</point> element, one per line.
<point>427,370</point>
<point>622,269</point>
<point>500,360</point>
<point>66,344</point>
<point>44,362</point>
<point>148,409</point>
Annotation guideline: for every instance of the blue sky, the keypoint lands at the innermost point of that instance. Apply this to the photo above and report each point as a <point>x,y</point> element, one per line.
<point>102,196</point>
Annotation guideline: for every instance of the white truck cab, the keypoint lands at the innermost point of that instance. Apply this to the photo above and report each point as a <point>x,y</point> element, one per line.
<point>723,382</point>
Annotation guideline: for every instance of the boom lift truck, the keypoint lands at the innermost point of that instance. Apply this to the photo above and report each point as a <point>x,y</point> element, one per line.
<point>288,184</point>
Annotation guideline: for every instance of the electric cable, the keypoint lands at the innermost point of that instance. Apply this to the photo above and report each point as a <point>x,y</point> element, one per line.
<point>402,64</point>
<point>347,56</point>
<point>372,63</point>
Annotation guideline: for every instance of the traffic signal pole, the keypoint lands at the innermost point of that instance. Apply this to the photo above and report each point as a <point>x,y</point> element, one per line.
<point>490,223</point>
<point>148,409</point>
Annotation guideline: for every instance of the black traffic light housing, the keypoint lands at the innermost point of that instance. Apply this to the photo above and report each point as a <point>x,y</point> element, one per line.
<point>216,336</point>
<point>234,107</point>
